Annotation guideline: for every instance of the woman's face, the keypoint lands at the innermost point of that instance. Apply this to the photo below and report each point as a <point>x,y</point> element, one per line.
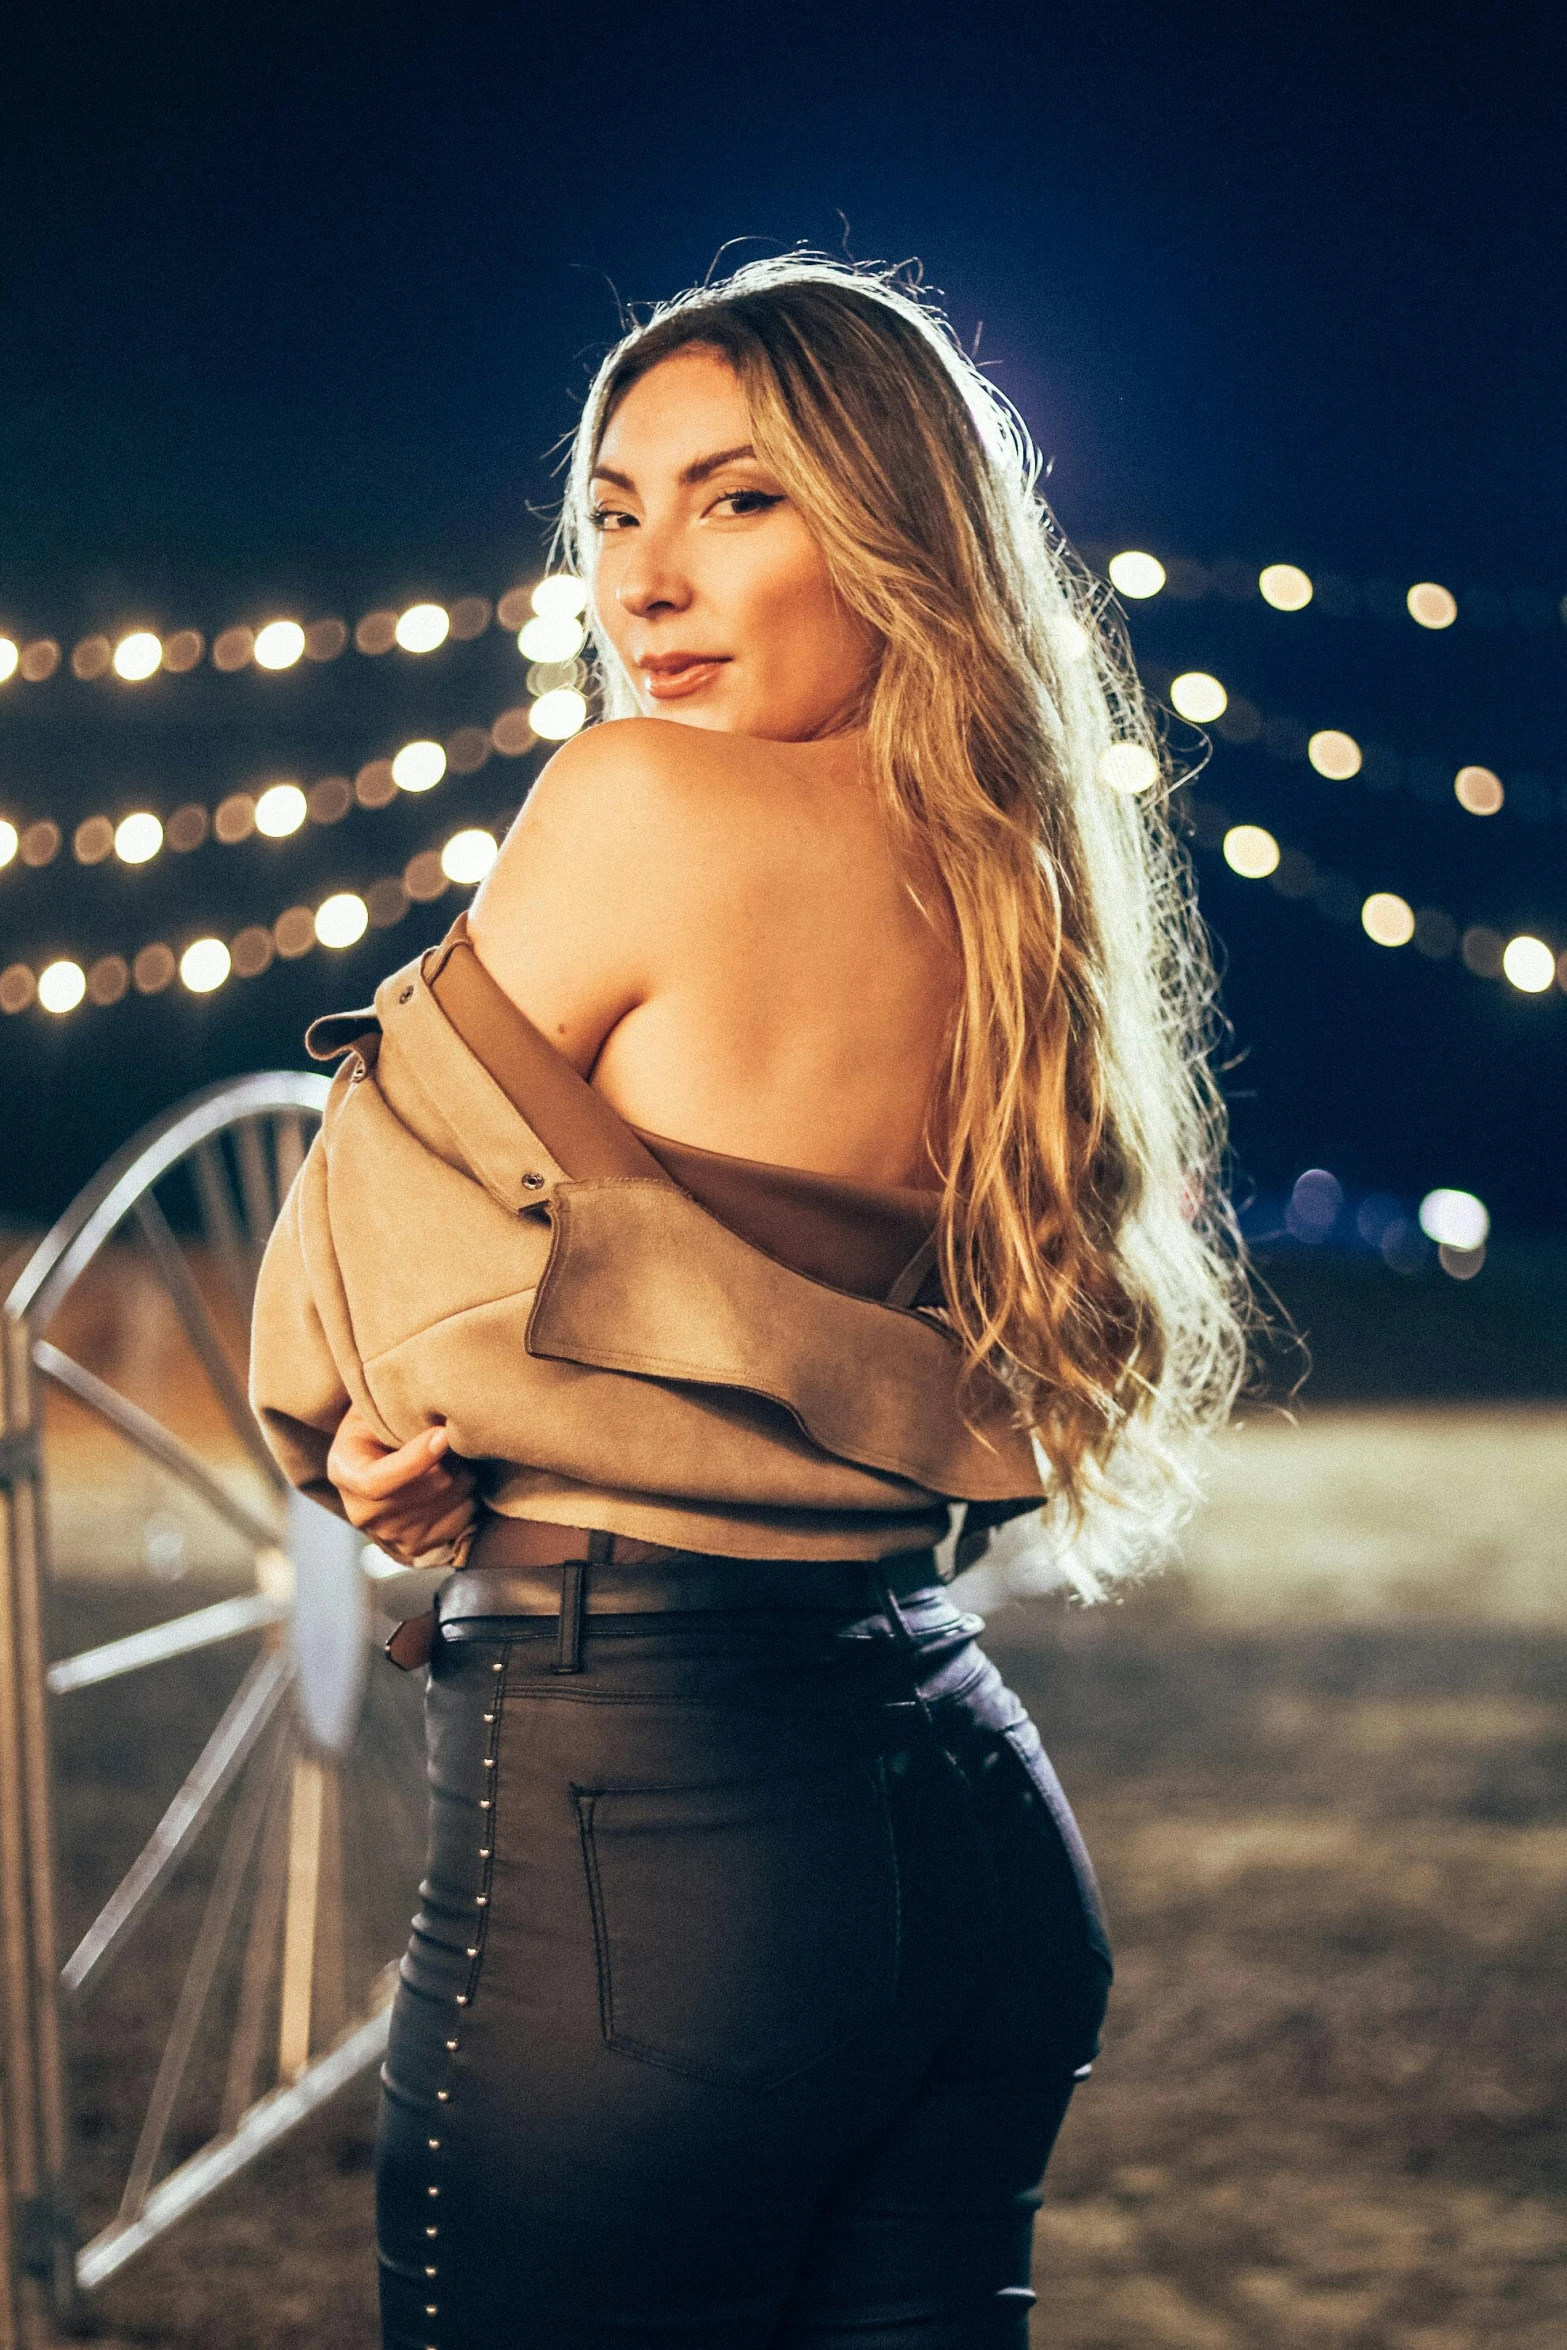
<point>709,585</point>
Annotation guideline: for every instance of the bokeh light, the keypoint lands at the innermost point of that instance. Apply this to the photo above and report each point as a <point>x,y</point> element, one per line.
<point>93,840</point>
<point>1388,919</point>
<point>377,632</point>
<point>61,986</point>
<point>1251,852</point>
<point>1199,697</point>
<point>1286,587</point>
<point>422,627</point>
<point>341,919</point>
<point>41,843</point>
<point>1455,1218</point>
<point>1335,755</point>
<point>560,597</point>
<point>1529,964</point>
<point>40,659</point>
<point>419,766</point>
<point>281,809</point>
<point>153,968</point>
<point>232,650</point>
<point>205,965</point>
<point>1462,1263</point>
<point>183,650</point>
<point>552,636</point>
<point>1432,606</point>
<point>187,828</point>
<point>108,979</point>
<point>138,837</point>
<point>324,640</point>
<point>1482,949</point>
<point>423,878</point>
<point>10,658</point>
<point>560,714</point>
<point>1128,767</point>
<point>1314,1205</point>
<point>1478,790</point>
<point>279,645</point>
<point>1136,575</point>
<point>10,841</point>
<point>92,657</point>
<point>251,950</point>
<point>17,988</point>
<point>469,618</point>
<point>468,856</point>
<point>138,655</point>
<point>294,933</point>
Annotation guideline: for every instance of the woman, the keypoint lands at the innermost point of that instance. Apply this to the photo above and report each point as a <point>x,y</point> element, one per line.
<point>808,1132</point>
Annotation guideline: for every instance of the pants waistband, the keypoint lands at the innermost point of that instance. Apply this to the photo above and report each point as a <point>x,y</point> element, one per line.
<point>680,1582</point>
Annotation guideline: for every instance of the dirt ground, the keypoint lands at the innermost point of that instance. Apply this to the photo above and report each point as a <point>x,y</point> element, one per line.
<point>1323,1772</point>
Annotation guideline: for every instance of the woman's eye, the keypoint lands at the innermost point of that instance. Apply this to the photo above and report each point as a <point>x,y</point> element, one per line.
<point>606,517</point>
<point>750,501</point>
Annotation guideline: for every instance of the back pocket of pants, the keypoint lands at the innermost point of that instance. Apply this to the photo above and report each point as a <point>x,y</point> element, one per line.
<point>744,1931</point>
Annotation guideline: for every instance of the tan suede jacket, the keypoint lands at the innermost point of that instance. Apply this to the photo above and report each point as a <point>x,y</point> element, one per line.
<point>607,1350</point>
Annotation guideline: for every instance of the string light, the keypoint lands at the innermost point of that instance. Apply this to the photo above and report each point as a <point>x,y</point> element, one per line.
<point>1529,964</point>
<point>340,921</point>
<point>1388,919</point>
<point>205,965</point>
<point>1135,574</point>
<point>138,838</point>
<point>1335,755</point>
<point>1478,790</point>
<point>281,809</point>
<point>422,627</point>
<point>1285,586</point>
<point>1251,851</point>
<point>1128,767</point>
<point>1431,606</point>
<point>551,636</point>
<point>137,656</point>
<point>1199,697</point>
<point>278,645</point>
<point>419,766</point>
<point>559,714</point>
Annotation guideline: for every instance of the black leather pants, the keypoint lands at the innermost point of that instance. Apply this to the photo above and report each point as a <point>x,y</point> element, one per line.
<point>754,1967</point>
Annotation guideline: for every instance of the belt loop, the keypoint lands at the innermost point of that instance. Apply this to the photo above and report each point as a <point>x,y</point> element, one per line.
<point>573,1601</point>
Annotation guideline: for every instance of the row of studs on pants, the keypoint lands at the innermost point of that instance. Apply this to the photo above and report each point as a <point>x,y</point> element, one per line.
<point>474,1954</point>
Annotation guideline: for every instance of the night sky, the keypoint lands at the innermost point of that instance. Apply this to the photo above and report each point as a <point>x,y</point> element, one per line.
<point>297,305</point>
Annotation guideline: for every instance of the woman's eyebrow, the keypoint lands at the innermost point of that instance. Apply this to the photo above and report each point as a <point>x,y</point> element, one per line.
<point>698,470</point>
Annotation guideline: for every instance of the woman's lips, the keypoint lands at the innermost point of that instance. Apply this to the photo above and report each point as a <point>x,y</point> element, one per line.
<point>674,677</point>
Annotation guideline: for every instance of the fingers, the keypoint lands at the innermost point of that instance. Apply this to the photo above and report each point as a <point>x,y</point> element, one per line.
<point>358,1463</point>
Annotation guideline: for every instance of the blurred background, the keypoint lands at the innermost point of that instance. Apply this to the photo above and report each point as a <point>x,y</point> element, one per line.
<point>297,308</point>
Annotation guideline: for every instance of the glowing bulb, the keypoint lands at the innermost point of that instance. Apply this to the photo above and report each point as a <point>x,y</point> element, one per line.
<point>342,919</point>
<point>1251,852</point>
<point>419,766</point>
<point>279,645</point>
<point>560,597</point>
<point>1136,575</point>
<point>137,838</point>
<point>1478,790</point>
<point>1529,964</point>
<point>422,627</point>
<point>281,809</point>
<point>559,714</point>
<point>1129,767</point>
<point>61,986</point>
<point>205,965</point>
<point>554,636</point>
<point>10,841</point>
<point>1335,755</point>
<point>1455,1219</point>
<point>137,656</point>
<point>1388,919</point>
<point>10,655</point>
<point>1286,587</point>
<point>1432,606</point>
<point>1199,697</point>
<point>468,856</point>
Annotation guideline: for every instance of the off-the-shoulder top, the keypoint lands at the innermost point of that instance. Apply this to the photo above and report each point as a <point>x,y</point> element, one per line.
<point>627,1332</point>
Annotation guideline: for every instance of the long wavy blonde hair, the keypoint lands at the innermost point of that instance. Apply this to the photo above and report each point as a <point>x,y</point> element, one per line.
<point>1088,1255</point>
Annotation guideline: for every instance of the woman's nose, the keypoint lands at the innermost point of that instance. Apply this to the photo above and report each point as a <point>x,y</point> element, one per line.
<point>651,581</point>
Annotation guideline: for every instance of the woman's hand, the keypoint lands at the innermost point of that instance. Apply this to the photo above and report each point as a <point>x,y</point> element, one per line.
<point>408,1501</point>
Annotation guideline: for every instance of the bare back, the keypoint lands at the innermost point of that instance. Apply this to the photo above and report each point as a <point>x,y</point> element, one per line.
<point>715,929</point>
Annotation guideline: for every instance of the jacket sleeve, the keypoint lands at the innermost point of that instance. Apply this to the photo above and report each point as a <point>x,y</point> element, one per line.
<point>299,1388</point>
